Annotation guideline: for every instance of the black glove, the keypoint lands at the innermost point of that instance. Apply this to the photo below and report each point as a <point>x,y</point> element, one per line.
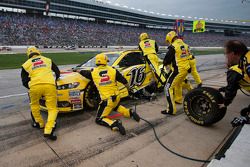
<point>131,91</point>
<point>238,121</point>
<point>222,89</point>
<point>199,85</point>
<point>245,111</point>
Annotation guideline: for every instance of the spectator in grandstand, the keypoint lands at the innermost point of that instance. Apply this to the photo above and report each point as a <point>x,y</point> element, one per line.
<point>37,76</point>
<point>24,29</point>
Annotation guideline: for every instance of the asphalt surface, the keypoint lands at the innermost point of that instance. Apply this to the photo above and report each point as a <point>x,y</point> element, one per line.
<point>83,143</point>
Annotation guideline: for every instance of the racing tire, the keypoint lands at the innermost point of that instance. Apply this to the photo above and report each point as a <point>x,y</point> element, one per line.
<point>91,96</point>
<point>220,100</point>
<point>201,105</point>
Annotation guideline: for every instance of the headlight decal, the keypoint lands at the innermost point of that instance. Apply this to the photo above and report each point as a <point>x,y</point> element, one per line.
<point>68,86</point>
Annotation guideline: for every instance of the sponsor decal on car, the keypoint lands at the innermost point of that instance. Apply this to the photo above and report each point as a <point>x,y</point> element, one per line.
<point>75,101</point>
<point>74,93</point>
<point>138,76</point>
<point>77,106</point>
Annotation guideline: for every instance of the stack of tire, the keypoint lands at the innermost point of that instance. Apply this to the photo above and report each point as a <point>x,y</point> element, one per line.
<point>202,106</point>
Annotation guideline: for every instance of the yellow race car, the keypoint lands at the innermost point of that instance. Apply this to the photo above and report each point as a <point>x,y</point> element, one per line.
<point>75,92</point>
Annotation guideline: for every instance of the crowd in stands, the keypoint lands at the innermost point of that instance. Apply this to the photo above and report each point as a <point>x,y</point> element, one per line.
<point>23,29</point>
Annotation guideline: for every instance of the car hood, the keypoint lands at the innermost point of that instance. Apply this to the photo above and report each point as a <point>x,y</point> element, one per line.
<point>72,75</point>
<point>82,68</point>
<point>78,69</point>
<point>69,77</point>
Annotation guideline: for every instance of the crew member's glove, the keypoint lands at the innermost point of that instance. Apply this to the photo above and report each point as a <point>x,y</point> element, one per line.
<point>221,106</point>
<point>238,121</point>
<point>131,91</point>
<point>245,111</point>
<point>222,89</point>
<point>199,85</point>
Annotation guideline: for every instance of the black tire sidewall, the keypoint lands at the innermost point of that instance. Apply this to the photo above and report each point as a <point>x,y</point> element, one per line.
<point>90,87</point>
<point>213,115</point>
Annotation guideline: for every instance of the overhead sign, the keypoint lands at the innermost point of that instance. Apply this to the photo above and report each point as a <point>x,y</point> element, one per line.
<point>179,28</point>
<point>199,26</point>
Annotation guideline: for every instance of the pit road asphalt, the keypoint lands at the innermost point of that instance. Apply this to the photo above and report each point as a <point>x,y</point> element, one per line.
<point>83,143</point>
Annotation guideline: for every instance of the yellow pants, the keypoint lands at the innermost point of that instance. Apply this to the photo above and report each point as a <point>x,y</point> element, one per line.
<point>184,85</point>
<point>50,94</point>
<point>173,88</point>
<point>106,107</point>
<point>194,72</point>
<point>153,58</point>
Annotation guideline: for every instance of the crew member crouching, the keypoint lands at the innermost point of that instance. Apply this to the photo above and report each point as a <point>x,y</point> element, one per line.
<point>105,79</point>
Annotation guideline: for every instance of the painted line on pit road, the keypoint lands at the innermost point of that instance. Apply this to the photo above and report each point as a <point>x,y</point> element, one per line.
<point>7,107</point>
<point>13,95</point>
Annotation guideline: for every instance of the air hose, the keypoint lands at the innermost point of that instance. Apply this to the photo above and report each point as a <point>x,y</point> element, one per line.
<point>168,149</point>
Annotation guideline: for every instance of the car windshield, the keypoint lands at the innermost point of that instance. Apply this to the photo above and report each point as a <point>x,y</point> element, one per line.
<point>112,57</point>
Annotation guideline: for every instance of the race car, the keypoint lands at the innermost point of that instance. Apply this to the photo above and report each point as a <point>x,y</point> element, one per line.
<point>76,92</point>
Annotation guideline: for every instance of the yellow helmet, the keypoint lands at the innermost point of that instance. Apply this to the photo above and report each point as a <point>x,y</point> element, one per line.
<point>31,51</point>
<point>170,36</point>
<point>101,59</point>
<point>143,36</point>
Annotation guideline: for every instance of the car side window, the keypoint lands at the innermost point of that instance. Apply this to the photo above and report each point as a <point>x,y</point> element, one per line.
<point>131,59</point>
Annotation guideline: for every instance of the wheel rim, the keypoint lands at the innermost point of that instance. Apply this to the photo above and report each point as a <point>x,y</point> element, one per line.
<point>201,105</point>
<point>92,97</point>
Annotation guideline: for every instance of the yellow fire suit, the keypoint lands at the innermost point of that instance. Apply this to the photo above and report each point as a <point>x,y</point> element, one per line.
<point>105,78</point>
<point>236,78</point>
<point>149,48</point>
<point>177,56</point>
<point>194,72</point>
<point>245,63</point>
<point>186,84</point>
<point>38,77</point>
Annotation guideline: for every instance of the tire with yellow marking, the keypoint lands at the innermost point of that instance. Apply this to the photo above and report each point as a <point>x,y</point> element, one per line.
<point>91,96</point>
<point>201,105</point>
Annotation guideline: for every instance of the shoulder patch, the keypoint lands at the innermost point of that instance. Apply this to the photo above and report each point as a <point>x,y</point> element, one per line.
<point>236,69</point>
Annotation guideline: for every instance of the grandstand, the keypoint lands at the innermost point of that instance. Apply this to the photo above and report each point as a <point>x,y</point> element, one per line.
<point>92,23</point>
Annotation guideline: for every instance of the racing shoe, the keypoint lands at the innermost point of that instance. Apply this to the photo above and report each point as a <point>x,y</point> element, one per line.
<point>52,135</point>
<point>117,125</point>
<point>36,125</point>
<point>165,112</point>
<point>134,115</point>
